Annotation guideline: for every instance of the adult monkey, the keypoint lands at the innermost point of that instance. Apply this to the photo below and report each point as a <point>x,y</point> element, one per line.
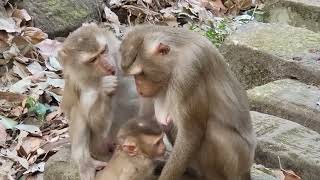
<point>191,84</point>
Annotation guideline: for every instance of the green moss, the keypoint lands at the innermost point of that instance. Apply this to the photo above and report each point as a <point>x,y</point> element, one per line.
<point>67,11</point>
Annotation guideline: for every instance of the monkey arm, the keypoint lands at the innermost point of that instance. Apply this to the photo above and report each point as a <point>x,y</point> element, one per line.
<point>80,136</point>
<point>191,123</point>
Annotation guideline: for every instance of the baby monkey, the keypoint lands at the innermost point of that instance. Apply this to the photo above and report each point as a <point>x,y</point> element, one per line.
<point>140,143</point>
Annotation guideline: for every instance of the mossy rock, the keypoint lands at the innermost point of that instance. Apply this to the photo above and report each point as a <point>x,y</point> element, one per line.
<point>297,13</point>
<point>59,17</point>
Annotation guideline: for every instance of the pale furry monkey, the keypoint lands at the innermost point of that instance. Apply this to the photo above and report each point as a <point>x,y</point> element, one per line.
<point>89,56</point>
<point>192,85</point>
<point>140,141</point>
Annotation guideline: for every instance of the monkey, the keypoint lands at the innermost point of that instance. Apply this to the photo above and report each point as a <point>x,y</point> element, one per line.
<point>140,142</point>
<point>96,95</point>
<point>192,87</point>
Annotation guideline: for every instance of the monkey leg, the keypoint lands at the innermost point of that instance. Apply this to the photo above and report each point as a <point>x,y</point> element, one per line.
<point>224,155</point>
<point>80,153</point>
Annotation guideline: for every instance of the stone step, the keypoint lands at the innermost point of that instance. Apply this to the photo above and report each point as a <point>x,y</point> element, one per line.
<point>259,172</point>
<point>259,53</point>
<point>297,13</point>
<point>59,166</point>
<point>289,99</point>
<point>297,147</point>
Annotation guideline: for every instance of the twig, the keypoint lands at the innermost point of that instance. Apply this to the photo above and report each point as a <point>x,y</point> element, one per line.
<point>254,11</point>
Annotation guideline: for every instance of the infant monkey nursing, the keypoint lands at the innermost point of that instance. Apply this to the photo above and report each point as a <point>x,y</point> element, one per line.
<point>140,142</point>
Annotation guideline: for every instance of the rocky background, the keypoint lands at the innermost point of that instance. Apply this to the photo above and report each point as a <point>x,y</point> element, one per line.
<point>273,47</point>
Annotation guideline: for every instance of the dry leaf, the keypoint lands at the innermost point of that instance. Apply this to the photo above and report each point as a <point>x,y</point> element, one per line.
<point>53,64</point>
<point>52,115</point>
<point>14,156</point>
<point>20,70</point>
<point>21,14</point>
<point>16,111</point>
<point>3,135</point>
<point>29,145</point>
<point>49,48</point>
<point>35,68</point>
<point>12,97</point>
<point>290,175</point>
<point>111,16</point>
<point>20,138</point>
<point>8,25</point>
<point>34,35</point>
<point>36,168</point>
<point>11,53</point>
<point>6,165</point>
<point>216,6</point>
<point>21,86</point>
<point>34,130</point>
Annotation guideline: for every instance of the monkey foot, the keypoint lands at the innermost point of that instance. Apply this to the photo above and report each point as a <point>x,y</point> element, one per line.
<point>88,170</point>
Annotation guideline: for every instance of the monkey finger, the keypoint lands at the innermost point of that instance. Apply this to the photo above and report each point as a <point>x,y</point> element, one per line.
<point>98,164</point>
<point>109,82</point>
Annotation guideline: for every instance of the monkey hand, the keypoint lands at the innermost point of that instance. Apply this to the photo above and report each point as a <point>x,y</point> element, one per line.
<point>109,84</point>
<point>88,169</point>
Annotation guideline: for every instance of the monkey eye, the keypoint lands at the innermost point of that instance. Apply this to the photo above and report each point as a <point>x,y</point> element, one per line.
<point>92,60</point>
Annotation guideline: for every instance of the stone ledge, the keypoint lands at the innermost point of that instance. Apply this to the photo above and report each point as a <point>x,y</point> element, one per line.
<point>290,100</point>
<point>297,13</point>
<point>298,147</point>
<point>259,53</point>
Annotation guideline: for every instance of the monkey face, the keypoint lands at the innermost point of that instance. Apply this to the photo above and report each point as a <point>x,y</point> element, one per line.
<point>145,87</point>
<point>150,63</point>
<point>86,50</point>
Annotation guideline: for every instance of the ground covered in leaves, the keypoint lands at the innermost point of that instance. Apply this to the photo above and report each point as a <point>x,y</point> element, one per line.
<point>32,126</point>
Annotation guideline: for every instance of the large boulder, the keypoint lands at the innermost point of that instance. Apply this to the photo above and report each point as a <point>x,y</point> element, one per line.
<point>59,17</point>
<point>297,147</point>
<point>298,13</point>
<point>290,100</point>
<point>260,53</point>
<point>60,167</point>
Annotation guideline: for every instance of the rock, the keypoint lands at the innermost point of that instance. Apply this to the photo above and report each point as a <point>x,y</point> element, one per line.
<point>290,100</point>
<point>59,17</point>
<point>259,172</point>
<point>60,167</point>
<point>260,53</point>
<point>298,13</point>
<point>298,147</point>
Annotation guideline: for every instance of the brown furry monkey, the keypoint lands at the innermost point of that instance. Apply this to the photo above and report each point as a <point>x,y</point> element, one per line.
<point>96,95</point>
<point>140,142</point>
<point>192,86</point>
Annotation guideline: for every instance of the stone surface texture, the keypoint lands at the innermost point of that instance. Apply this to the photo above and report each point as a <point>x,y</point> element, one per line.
<point>298,147</point>
<point>297,13</point>
<point>260,53</point>
<point>259,172</point>
<point>59,17</point>
<point>289,99</point>
<point>60,167</point>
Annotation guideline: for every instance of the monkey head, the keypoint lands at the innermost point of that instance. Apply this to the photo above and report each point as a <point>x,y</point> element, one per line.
<point>150,59</point>
<point>87,49</point>
<point>142,135</point>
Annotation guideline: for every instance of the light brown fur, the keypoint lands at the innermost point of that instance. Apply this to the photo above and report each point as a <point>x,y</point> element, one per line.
<point>137,162</point>
<point>198,92</point>
<point>93,96</point>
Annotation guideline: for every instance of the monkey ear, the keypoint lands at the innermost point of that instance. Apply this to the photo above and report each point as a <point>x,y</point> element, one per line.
<point>130,147</point>
<point>162,49</point>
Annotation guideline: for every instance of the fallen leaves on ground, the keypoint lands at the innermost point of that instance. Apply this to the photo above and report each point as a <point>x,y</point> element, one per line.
<point>30,95</point>
<point>32,126</point>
